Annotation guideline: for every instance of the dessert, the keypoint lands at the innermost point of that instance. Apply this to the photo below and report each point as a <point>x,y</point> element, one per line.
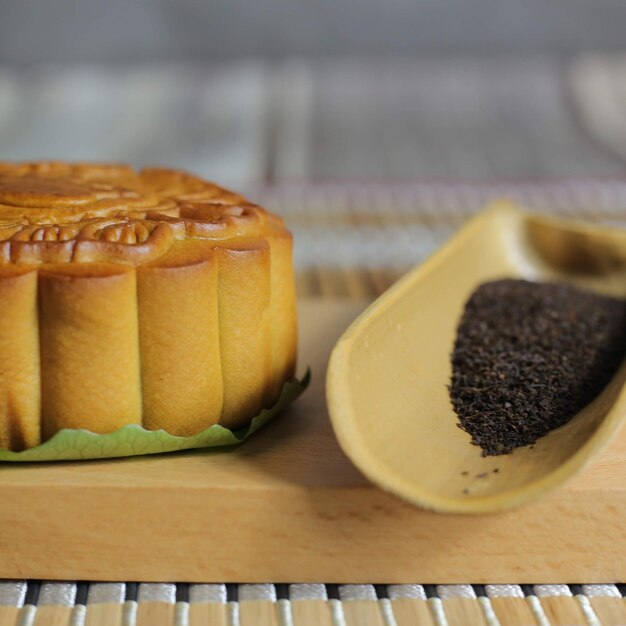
<point>150,297</point>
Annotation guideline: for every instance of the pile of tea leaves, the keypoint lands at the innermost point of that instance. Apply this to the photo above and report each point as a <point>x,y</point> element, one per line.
<point>529,356</point>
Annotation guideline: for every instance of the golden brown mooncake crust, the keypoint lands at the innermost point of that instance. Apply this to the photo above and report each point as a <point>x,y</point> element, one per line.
<point>151,297</point>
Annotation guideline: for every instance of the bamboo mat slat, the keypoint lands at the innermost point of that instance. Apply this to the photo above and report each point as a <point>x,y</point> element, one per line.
<point>105,604</point>
<point>257,605</point>
<point>12,596</point>
<point>460,605</point>
<point>207,605</point>
<point>156,604</point>
<point>607,603</point>
<point>410,605</point>
<point>104,615</point>
<point>309,605</point>
<point>560,606</point>
<point>360,605</point>
<point>9,615</point>
<point>55,604</point>
<point>510,606</point>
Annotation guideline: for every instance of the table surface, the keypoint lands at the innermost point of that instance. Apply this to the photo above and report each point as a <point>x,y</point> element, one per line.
<point>290,125</point>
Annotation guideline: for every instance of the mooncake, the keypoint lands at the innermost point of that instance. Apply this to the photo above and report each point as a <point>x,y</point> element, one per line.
<point>147,297</point>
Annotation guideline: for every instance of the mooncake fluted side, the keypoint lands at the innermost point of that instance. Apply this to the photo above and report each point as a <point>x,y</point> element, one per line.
<point>244,322</point>
<point>90,373</point>
<point>179,339</point>
<point>20,390</point>
<point>283,315</point>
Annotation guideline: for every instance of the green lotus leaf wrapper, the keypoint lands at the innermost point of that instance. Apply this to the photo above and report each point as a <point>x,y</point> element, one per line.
<point>134,440</point>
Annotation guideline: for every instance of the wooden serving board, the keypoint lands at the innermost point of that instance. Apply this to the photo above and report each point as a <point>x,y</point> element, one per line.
<point>288,506</point>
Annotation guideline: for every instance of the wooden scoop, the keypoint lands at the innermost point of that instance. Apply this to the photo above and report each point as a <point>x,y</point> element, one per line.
<point>388,374</point>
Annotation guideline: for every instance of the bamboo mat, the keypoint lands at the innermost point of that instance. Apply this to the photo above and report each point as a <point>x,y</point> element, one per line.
<point>352,241</point>
<point>245,121</point>
<point>150,604</point>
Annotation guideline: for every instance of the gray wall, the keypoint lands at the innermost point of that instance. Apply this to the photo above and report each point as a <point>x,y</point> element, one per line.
<point>32,31</point>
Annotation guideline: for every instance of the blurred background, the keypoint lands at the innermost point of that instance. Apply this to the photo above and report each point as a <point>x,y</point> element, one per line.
<point>247,91</point>
<point>326,109</point>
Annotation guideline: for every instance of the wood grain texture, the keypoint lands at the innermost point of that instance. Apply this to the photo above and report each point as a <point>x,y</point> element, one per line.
<point>513,611</point>
<point>53,616</point>
<point>563,611</point>
<point>105,614</point>
<point>610,611</point>
<point>362,613</point>
<point>155,613</point>
<point>8,615</point>
<point>258,613</point>
<point>463,612</point>
<point>410,612</point>
<point>318,518</point>
<point>203,613</point>
<point>311,613</point>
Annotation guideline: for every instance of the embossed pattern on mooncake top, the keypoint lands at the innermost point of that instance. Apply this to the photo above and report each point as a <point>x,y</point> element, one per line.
<point>53,212</point>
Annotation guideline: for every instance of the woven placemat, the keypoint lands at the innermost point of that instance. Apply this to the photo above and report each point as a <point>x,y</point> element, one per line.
<point>159,604</point>
<point>355,239</point>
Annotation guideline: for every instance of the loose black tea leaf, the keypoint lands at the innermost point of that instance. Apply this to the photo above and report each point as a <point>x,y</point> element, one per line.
<point>529,356</point>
